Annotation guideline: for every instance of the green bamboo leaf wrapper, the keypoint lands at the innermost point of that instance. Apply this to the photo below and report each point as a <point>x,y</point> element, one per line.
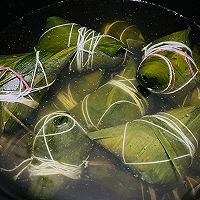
<point>56,152</point>
<point>64,153</point>
<point>68,149</point>
<point>159,77</point>
<point>93,50</point>
<point>53,55</point>
<point>70,145</point>
<point>187,96</point>
<point>156,139</point>
<point>16,109</point>
<point>73,90</point>
<point>67,145</point>
<point>115,102</point>
<point>9,60</point>
<point>99,168</point>
<point>193,98</point>
<point>125,31</point>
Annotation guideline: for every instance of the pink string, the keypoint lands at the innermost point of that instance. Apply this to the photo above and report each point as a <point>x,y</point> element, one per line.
<point>189,65</point>
<point>182,53</point>
<point>20,77</point>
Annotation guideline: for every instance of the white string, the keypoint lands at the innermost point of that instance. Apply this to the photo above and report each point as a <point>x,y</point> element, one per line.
<point>46,166</point>
<point>15,168</point>
<point>123,79</point>
<point>113,104</point>
<point>19,96</point>
<point>180,135</point>
<point>176,47</point>
<point>52,166</point>
<point>57,26</point>
<point>23,96</point>
<point>132,91</point>
<point>139,101</point>
<point>166,44</point>
<point>13,97</point>
<point>48,119</point>
<point>183,126</point>
<point>85,37</point>
<point>178,130</point>
<point>85,112</point>
<point>171,75</point>
<point>18,167</point>
<point>126,79</point>
<point>70,35</point>
<point>38,62</point>
<point>16,119</point>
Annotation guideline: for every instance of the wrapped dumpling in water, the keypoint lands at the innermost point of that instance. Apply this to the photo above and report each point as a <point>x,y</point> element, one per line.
<point>24,82</point>
<point>168,64</point>
<point>71,91</point>
<point>92,49</point>
<point>128,33</point>
<point>188,95</point>
<point>57,149</point>
<point>25,77</point>
<point>160,147</point>
<point>60,156</point>
<point>115,102</point>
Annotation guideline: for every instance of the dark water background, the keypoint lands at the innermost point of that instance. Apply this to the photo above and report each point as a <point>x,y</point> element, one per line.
<point>23,34</point>
<point>153,21</point>
<point>11,10</point>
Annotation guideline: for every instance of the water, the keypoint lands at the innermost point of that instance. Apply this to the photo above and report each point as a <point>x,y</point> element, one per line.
<point>104,177</point>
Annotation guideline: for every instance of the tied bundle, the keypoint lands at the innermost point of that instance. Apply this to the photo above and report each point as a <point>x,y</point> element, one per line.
<point>97,125</point>
<point>25,82</point>
<point>25,78</point>
<point>168,64</point>
<point>56,131</point>
<point>159,147</point>
<point>74,90</point>
<point>121,101</point>
<point>61,155</point>
<point>127,32</point>
<point>92,49</point>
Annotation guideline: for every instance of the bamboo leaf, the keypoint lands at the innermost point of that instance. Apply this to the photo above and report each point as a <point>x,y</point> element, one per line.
<point>168,64</point>
<point>160,147</point>
<point>22,80</point>
<point>122,102</point>
<point>93,50</point>
<point>125,31</point>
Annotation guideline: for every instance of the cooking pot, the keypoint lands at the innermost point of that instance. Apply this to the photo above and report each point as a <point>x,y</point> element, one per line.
<point>154,21</point>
